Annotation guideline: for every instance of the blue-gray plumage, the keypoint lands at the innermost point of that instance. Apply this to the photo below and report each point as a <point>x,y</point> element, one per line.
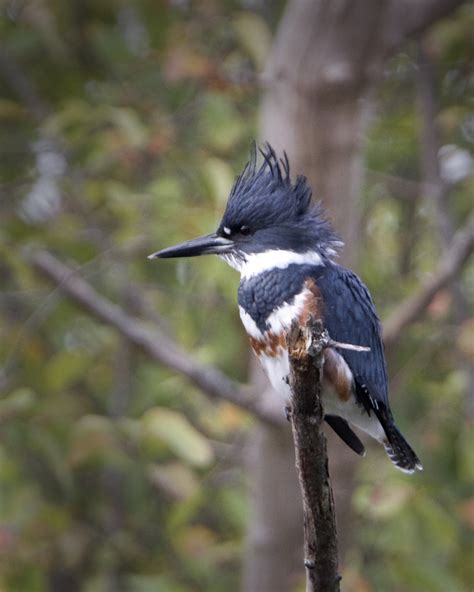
<point>261,294</point>
<point>283,247</point>
<point>350,317</point>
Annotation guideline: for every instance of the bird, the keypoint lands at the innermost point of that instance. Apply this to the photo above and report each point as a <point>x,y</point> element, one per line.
<point>285,249</point>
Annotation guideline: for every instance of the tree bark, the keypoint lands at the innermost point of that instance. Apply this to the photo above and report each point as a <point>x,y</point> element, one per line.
<point>274,544</point>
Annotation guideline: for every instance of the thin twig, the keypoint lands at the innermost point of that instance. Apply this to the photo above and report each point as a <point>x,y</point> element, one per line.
<point>306,346</point>
<point>352,347</point>
<point>451,264</point>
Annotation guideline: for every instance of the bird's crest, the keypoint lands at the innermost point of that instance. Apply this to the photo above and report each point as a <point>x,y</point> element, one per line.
<point>265,196</point>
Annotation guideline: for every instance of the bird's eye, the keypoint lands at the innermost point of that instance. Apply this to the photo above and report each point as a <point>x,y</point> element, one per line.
<point>245,230</point>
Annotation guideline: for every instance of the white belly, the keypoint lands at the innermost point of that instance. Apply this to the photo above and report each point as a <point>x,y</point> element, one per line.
<point>277,368</point>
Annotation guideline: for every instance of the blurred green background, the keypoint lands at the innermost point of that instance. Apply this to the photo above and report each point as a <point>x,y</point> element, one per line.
<point>123,125</point>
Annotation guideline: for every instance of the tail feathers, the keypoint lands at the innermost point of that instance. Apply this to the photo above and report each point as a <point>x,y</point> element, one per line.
<point>399,451</point>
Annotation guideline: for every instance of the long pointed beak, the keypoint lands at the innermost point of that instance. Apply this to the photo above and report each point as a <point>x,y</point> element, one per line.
<point>204,245</point>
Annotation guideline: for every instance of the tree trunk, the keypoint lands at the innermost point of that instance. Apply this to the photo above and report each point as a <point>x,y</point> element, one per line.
<point>274,548</point>
<point>314,106</point>
<point>326,58</point>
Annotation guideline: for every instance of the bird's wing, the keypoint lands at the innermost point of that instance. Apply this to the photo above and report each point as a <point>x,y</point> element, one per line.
<point>350,317</point>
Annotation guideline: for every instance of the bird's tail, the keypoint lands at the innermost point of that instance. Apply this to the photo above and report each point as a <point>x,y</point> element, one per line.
<point>399,451</point>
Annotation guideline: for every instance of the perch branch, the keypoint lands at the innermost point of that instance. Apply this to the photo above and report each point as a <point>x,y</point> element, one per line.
<point>154,343</point>
<point>305,346</point>
<point>450,265</point>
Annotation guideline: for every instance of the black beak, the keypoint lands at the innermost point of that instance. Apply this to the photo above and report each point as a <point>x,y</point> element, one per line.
<point>204,245</point>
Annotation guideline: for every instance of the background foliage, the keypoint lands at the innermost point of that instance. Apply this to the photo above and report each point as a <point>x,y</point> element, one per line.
<point>123,125</point>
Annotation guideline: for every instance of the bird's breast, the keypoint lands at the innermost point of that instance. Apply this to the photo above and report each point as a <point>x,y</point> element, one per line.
<point>268,335</point>
<point>268,341</point>
<point>267,316</point>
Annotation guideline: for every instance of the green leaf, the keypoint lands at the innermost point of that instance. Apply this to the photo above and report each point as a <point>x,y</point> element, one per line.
<point>174,479</point>
<point>466,453</point>
<point>437,522</point>
<point>150,583</point>
<point>93,437</point>
<point>18,402</point>
<point>219,177</point>
<point>174,430</point>
<point>255,36</point>
<point>128,122</point>
<point>425,575</point>
<point>221,124</point>
<point>64,369</point>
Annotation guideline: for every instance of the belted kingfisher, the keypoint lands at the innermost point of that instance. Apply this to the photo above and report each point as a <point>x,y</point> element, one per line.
<point>284,248</point>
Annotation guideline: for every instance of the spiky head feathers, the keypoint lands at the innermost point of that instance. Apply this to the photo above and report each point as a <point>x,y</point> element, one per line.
<point>265,203</point>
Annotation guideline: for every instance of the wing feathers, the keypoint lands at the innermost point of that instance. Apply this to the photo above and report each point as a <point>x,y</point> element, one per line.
<point>350,317</point>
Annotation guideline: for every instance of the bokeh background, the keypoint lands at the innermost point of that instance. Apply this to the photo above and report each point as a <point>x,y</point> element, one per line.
<point>124,465</point>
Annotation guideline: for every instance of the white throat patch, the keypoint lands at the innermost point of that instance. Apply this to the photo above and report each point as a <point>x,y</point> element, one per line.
<point>256,263</point>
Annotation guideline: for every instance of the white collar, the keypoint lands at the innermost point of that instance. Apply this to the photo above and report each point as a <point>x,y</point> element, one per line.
<point>256,263</point>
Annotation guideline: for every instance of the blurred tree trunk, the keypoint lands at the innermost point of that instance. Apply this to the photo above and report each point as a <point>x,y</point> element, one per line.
<point>327,55</point>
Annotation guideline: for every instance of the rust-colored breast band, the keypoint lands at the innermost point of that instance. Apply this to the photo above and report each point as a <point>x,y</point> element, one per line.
<point>269,346</point>
<point>313,304</point>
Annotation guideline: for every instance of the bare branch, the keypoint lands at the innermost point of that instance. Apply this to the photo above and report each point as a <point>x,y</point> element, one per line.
<point>154,343</point>
<point>408,18</point>
<point>400,187</point>
<point>450,265</point>
<point>306,346</point>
